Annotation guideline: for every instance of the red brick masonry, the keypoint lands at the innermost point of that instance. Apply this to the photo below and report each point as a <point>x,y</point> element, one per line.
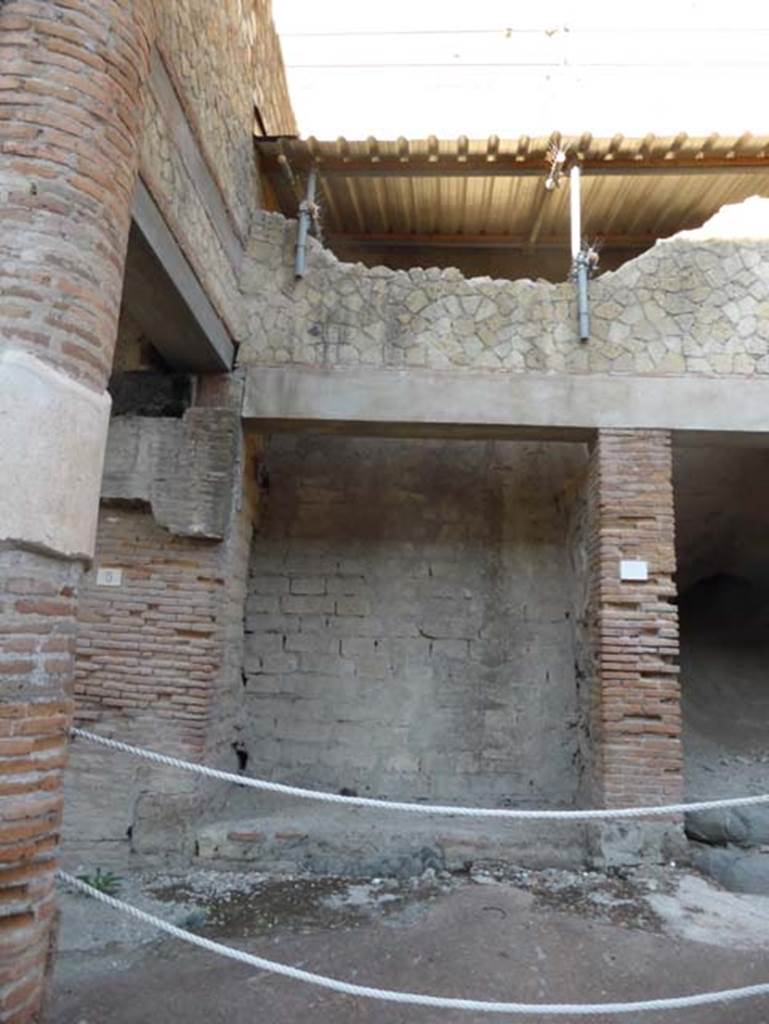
<point>71,78</point>
<point>32,755</point>
<point>636,720</point>
<point>71,73</point>
<point>151,646</point>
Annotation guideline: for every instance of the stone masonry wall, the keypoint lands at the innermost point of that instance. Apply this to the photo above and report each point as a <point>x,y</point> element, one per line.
<point>408,622</point>
<point>695,304</point>
<point>186,212</point>
<point>185,469</point>
<point>213,61</point>
<point>223,57</point>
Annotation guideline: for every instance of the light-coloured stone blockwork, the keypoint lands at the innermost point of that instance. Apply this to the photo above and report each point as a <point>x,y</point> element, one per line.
<point>185,210</point>
<point>409,624</point>
<point>213,62</point>
<point>691,305</point>
<point>225,57</point>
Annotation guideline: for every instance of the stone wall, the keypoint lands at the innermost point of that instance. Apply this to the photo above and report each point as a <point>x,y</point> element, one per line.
<point>552,264</point>
<point>224,57</point>
<point>185,209</point>
<point>408,622</point>
<point>212,63</point>
<point>696,304</point>
<point>580,541</point>
<point>185,469</point>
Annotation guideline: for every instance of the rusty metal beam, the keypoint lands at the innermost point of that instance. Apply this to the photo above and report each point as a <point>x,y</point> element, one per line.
<point>512,166</point>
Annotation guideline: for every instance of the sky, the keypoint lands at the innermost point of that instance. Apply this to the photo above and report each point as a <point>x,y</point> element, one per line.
<point>432,67</point>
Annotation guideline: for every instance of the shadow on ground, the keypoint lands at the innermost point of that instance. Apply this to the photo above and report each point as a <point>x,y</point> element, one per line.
<point>494,934</point>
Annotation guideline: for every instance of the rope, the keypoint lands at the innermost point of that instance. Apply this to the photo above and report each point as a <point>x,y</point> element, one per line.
<point>661,810</point>
<point>414,998</point>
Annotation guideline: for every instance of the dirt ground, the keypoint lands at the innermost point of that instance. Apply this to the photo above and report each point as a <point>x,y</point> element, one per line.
<point>492,934</point>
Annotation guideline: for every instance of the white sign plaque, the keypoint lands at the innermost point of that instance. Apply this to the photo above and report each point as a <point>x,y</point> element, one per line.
<point>109,577</point>
<point>633,569</point>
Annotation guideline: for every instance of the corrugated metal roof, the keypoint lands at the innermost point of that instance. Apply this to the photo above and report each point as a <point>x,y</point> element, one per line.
<point>475,194</point>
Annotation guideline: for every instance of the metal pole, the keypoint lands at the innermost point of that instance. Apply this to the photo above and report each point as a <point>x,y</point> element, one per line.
<point>582,303</point>
<point>576,210</point>
<point>305,216</point>
<point>579,261</point>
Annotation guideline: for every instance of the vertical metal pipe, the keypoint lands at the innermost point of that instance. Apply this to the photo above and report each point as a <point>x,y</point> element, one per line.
<point>305,216</point>
<point>578,255</point>
<point>576,210</point>
<point>582,303</point>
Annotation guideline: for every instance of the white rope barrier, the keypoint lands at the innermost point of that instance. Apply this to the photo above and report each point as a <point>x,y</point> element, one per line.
<point>414,998</point>
<point>518,814</point>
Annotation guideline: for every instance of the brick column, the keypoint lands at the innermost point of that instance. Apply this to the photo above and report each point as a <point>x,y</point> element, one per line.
<point>636,715</point>
<point>71,77</point>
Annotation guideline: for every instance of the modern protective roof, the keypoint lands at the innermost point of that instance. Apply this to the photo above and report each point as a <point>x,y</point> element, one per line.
<point>471,194</point>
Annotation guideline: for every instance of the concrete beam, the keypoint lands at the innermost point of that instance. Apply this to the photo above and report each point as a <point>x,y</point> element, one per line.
<point>164,294</point>
<point>418,403</point>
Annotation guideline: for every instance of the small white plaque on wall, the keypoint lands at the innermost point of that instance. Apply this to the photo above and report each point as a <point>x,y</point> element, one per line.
<point>633,569</point>
<point>109,577</point>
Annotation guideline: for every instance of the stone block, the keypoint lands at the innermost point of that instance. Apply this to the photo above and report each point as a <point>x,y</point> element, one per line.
<point>740,826</point>
<point>736,869</point>
<point>164,825</point>
<point>312,604</point>
<point>185,469</point>
<point>308,585</point>
<point>628,843</point>
<point>354,605</point>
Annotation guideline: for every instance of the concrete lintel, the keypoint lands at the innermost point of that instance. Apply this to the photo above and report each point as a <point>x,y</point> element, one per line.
<point>165,296</point>
<point>414,402</point>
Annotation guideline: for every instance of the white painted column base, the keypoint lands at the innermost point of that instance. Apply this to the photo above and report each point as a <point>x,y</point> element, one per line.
<point>53,433</point>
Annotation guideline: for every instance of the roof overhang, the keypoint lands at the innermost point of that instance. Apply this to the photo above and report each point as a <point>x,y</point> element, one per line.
<point>378,196</point>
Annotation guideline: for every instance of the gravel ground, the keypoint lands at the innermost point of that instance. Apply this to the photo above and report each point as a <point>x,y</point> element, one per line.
<point>495,933</point>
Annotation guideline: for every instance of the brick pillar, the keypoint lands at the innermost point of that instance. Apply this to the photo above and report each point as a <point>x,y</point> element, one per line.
<point>71,76</point>
<point>636,715</point>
